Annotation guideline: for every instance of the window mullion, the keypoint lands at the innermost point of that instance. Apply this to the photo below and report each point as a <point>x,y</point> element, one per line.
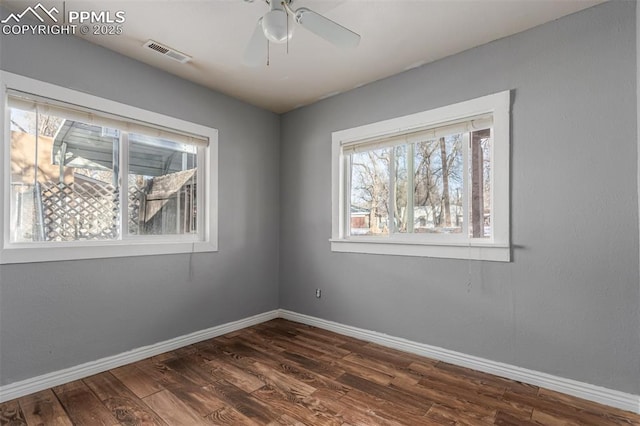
<point>410,188</point>
<point>465,184</point>
<point>123,172</point>
<point>347,195</point>
<point>202,193</point>
<point>392,191</point>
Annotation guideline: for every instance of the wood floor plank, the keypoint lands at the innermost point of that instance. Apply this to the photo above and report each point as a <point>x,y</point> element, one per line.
<point>189,379</point>
<point>245,403</point>
<point>392,356</point>
<point>361,371</point>
<point>282,326</point>
<point>330,400</point>
<point>443,413</point>
<point>294,371</point>
<point>522,388</point>
<point>139,382</point>
<point>321,368</point>
<point>43,408</point>
<point>383,367</point>
<point>125,406</point>
<point>327,339</point>
<point>304,408</point>
<point>476,396</point>
<point>541,417</point>
<point>405,382</point>
<point>397,397</point>
<point>11,414</point>
<point>507,419</point>
<point>282,381</point>
<point>202,399</point>
<point>185,369</point>
<point>610,413</point>
<point>563,411</point>
<point>319,331</point>
<point>288,345</point>
<point>286,420</point>
<point>421,367</point>
<point>172,410</point>
<point>328,351</point>
<point>473,376</point>
<point>249,360</point>
<point>390,412</point>
<point>255,341</point>
<point>82,405</point>
<point>449,398</point>
<point>158,372</point>
<point>474,387</point>
<point>286,373</point>
<point>391,369</point>
<point>448,378</point>
<point>360,414</point>
<point>238,377</point>
<point>230,416</point>
<point>306,345</point>
<point>240,353</point>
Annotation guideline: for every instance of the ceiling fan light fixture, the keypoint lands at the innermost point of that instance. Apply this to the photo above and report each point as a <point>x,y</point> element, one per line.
<point>274,25</point>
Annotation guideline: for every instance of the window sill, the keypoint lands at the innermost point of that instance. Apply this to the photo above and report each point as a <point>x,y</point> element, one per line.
<point>489,252</point>
<point>101,250</point>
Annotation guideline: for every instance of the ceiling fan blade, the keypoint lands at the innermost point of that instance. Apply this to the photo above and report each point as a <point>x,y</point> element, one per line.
<point>326,28</point>
<point>256,52</point>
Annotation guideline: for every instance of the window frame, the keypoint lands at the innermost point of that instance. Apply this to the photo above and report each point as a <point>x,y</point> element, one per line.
<point>495,248</point>
<point>207,240</point>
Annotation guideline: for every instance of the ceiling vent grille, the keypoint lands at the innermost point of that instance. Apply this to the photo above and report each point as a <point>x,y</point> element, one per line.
<point>167,51</point>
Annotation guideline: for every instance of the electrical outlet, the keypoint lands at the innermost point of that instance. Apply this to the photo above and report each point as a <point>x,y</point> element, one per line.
<point>318,293</point>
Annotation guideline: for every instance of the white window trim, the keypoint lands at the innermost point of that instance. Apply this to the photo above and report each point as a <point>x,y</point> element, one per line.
<point>496,248</point>
<point>73,250</point>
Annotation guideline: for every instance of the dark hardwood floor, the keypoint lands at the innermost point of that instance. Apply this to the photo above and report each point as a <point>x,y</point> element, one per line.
<point>284,373</point>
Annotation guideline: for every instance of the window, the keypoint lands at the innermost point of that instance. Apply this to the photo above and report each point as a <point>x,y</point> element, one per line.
<point>85,177</point>
<point>434,184</point>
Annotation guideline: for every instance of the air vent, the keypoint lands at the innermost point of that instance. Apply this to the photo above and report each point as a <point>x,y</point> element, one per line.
<point>167,51</point>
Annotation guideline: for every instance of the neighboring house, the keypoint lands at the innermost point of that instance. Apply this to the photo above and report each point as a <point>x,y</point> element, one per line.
<point>23,160</point>
<point>360,219</point>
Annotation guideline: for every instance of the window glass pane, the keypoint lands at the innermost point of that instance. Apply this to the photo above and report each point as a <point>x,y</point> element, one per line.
<point>480,184</point>
<point>162,180</point>
<point>370,192</point>
<point>438,188</point>
<point>23,155</point>
<point>401,214</point>
<point>62,179</point>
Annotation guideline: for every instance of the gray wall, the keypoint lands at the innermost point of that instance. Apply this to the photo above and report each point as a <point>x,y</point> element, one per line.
<point>60,314</point>
<point>568,303</point>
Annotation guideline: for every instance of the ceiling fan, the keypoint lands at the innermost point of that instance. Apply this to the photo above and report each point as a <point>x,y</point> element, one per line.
<point>274,27</point>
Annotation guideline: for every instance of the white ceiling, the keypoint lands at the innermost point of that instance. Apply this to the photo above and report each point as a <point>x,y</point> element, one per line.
<point>396,35</point>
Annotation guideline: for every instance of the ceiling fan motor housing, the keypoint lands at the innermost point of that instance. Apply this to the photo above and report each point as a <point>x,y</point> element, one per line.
<point>274,23</point>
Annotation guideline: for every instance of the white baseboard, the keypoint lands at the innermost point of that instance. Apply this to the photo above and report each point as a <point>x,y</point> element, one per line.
<point>613,398</point>
<point>610,397</point>
<point>56,378</point>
